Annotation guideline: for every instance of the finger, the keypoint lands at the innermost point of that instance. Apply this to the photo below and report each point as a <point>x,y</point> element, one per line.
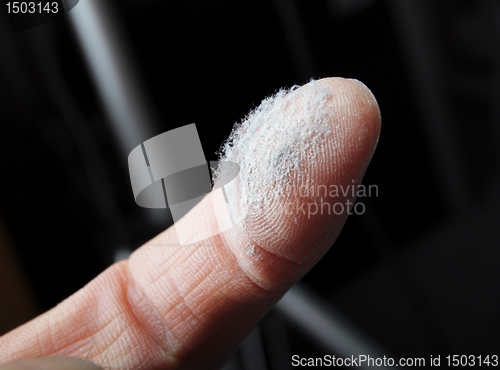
<point>190,306</point>
<point>50,363</point>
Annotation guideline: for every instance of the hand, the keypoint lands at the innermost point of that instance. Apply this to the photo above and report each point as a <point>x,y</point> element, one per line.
<point>172,306</point>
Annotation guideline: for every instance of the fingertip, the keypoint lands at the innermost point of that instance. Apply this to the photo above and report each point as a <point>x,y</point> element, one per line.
<point>360,102</point>
<point>321,134</point>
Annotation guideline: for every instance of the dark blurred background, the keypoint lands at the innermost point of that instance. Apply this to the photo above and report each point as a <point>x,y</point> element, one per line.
<point>417,274</point>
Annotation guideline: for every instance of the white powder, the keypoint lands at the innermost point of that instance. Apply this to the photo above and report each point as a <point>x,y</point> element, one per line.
<point>272,145</point>
<point>251,251</point>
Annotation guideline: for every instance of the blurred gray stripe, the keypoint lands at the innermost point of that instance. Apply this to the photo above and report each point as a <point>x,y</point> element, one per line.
<point>314,316</point>
<point>252,352</point>
<point>114,73</point>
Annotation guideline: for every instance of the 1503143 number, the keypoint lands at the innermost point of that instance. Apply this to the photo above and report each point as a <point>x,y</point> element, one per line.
<point>21,7</point>
<point>472,360</point>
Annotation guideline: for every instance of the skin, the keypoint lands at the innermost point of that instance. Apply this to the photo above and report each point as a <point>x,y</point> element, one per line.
<point>170,306</point>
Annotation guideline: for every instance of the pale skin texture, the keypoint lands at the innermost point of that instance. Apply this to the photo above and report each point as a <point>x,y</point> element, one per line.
<point>190,307</point>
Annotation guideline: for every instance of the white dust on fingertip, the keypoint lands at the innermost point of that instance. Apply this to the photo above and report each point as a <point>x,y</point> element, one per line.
<point>272,142</point>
